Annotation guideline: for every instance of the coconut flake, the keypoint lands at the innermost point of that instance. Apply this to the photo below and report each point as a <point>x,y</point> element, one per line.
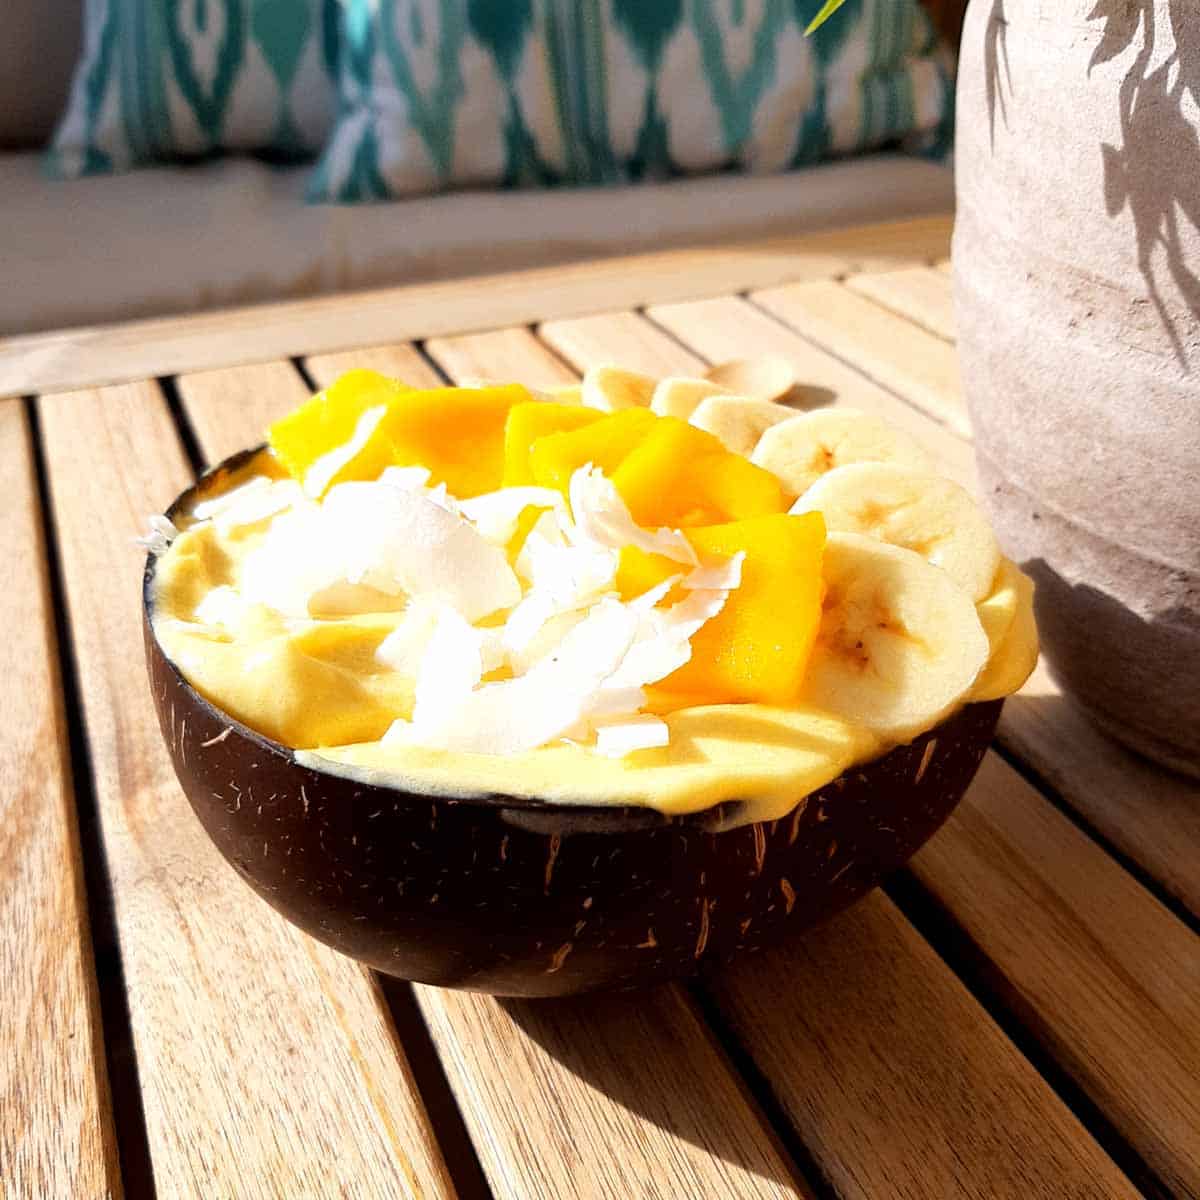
<point>496,514</point>
<point>602,518</point>
<point>542,705</point>
<point>253,501</point>
<point>392,540</point>
<point>643,732</point>
<point>723,576</point>
<point>405,541</point>
<point>321,473</point>
<point>407,479</point>
<point>161,534</point>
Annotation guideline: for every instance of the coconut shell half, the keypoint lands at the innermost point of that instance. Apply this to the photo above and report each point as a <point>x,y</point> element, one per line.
<point>520,897</point>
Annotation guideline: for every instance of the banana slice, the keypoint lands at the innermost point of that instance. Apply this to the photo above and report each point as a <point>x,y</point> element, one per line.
<point>739,421</point>
<point>611,389</point>
<point>927,514</point>
<point>678,397</point>
<point>900,643</point>
<point>1007,616</point>
<point>801,450</point>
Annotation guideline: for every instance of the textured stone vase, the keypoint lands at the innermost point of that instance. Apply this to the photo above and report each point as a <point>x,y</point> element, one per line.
<point>1077,281</point>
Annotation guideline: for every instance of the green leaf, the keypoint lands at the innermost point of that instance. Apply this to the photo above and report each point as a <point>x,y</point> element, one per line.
<point>827,10</point>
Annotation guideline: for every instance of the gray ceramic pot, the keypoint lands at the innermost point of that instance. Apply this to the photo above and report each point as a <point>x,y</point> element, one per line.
<point>1077,280</point>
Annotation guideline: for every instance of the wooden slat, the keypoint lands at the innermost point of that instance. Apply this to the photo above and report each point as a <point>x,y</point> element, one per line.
<point>729,327</point>
<point>1151,815</point>
<point>401,361</point>
<point>503,354</point>
<point>1104,975</point>
<point>227,403</point>
<point>613,1096</point>
<point>101,354</point>
<point>584,341</point>
<point>267,1062</point>
<point>897,1085</point>
<point>1010,932</point>
<point>56,1131</point>
<point>912,362</point>
<point>922,294</point>
<point>909,1146</point>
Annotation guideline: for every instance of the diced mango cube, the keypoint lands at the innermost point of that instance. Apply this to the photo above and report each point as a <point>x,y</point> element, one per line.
<point>553,459</point>
<point>680,476</point>
<point>536,419</point>
<point>329,419</point>
<point>757,647</point>
<point>458,433</point>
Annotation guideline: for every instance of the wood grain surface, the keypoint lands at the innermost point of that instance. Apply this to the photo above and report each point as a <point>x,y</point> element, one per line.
<point>225,404</point>
<point>169,345</point>
<point>1104,975</point>
<point>56,1131</point>
<point>895,1081</point>
<point>615,1097</point>
<point>267,1063</point>
<point>401,361</point>
<point>914,363</point>
<point>587,341</point>
<point>729,327</point>
<point>918,293</point>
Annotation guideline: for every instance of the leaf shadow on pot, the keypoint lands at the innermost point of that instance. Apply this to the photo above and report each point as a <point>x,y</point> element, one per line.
<point>1155,169</point>
<point>1138,680</point>
<point>995,57</point>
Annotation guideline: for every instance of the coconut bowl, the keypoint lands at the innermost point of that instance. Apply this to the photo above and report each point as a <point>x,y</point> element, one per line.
<point>520,897</point>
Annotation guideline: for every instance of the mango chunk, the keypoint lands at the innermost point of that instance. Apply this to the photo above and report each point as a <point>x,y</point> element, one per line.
<point>638,571</point>
<point>329,419</point>
<point>680,476</point>
<point>458,433</point>
<point>553,459</point>
<point>757,647</point>
<point>536,419</point>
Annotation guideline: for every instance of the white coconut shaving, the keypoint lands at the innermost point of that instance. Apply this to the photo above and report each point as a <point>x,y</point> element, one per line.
<point>395,540</point>
<point>322,472</point>
<point>602,518</point>
<point>496,514</point>
<point>159,536</point>
<point>249,504</point>
<point>641,732</point>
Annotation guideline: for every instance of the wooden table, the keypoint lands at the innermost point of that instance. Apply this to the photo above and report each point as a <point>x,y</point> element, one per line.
<point>1015,1015</point>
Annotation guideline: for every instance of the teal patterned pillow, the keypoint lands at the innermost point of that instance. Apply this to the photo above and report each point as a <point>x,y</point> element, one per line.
<point>442,93</point>
<point>166,79</point>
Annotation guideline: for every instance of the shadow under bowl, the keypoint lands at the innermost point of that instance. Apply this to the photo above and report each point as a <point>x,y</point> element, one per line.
<point>520,897</point>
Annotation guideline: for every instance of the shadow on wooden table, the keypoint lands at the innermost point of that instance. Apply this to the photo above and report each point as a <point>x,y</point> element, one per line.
<point>652,1053</point>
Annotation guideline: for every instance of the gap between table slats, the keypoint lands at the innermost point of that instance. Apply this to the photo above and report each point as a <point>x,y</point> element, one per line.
<point>1151,959</point>
<point>268,1063</point>
<point>1021,1140</point>
<point>56,1124</point>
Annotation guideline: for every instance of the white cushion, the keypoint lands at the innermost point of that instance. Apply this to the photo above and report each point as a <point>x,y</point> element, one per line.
<point>176,239</point>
